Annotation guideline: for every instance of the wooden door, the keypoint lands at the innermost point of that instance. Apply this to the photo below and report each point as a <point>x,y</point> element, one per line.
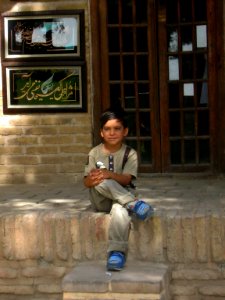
<point>157,63</point>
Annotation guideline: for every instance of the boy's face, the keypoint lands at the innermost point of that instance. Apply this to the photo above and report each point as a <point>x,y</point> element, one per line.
<point>113,132</point>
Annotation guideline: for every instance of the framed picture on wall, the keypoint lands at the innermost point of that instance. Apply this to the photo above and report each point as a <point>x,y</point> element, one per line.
<point>52,88</point>
<point>58,34</point>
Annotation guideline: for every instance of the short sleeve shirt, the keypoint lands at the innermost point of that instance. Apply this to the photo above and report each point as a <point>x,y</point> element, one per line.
<point>97,154</point>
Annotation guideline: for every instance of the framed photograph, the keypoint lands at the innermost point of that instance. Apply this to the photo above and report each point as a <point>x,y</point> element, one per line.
<point>32,89</point>
<point>43,34</point>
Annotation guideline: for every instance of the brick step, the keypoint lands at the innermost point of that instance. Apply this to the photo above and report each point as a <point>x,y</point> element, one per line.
<point>171,238</point>
<point>139,280</point>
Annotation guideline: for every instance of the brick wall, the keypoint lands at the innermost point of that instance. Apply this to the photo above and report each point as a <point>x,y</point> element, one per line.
<point>38,248</point>
<point>46,148</point>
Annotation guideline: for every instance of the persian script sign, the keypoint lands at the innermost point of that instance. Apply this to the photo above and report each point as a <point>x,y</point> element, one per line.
<point>44,87</point>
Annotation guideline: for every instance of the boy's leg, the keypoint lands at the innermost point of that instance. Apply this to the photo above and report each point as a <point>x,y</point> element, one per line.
<point>119,229</point>
<point>113,190</point>
<point>99,202</point>
<point>119,221</point>
<point>109,191</point>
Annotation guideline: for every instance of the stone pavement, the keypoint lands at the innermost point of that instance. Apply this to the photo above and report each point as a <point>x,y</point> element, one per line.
<point>176,194</point>
<point>47,230</point>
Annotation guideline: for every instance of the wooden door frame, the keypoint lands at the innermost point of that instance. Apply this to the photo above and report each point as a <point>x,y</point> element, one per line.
<point>100,97</point>
<point>214,21</point>
<point>219,15</point>
<point>213,81</point>
<point>96,100</point>
<point>163,86</point>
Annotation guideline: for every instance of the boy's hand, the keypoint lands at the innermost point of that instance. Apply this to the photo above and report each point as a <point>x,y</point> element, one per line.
<point>96,177</point>
<point>106,174</point>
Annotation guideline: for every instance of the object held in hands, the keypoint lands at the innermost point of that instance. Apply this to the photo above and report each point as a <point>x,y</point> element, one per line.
<point>100,165</point>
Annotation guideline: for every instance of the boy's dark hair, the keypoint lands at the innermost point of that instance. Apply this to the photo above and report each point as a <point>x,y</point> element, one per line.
<point>111,114</point>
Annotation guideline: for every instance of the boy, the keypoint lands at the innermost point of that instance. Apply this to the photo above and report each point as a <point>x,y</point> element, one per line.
<point>108,175</point>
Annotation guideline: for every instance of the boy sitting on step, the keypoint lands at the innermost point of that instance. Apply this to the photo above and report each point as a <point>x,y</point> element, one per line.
<point>108,174</point>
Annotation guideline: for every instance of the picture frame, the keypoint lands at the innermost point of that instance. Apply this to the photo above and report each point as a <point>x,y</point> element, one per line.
<point>47,34</point>
<point>52,88</point>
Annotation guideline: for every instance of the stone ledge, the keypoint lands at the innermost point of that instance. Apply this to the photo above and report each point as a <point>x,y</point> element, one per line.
<point>138,280</point>
<point>111,296</point>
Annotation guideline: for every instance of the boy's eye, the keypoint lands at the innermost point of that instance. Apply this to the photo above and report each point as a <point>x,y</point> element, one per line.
<point>114,128</point>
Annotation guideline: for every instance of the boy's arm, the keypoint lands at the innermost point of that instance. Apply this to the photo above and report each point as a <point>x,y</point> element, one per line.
<point>88,182</point>
<point>123,179</point>
<point>96,176</point>
<point>91,173</point>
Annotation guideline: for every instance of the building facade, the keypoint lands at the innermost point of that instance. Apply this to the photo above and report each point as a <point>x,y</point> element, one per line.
<point>162,61</point>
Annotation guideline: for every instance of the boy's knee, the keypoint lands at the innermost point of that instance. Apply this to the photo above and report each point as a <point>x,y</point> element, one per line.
<point>107,183</point>
<point>119,210</point>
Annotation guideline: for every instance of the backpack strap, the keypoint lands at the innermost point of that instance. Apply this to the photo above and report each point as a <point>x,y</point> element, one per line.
<point>125,157</point>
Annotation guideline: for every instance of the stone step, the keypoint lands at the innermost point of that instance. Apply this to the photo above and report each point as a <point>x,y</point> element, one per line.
<point>139,280</point>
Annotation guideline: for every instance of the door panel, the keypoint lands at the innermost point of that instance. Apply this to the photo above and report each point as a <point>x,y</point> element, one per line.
<point>130,73</point>
<point>155,64</point>
<point>184,78</point>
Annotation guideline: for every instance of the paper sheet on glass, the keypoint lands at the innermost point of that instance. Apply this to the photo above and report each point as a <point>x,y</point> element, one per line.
<point>201,36</point>
<point>173,68</point>
<point>188,89</point>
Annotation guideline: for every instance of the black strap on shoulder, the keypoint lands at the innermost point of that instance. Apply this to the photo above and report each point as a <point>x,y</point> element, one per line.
<point>125,157</point>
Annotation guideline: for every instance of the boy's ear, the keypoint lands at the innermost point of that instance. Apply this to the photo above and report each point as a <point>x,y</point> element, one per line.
<point>125,131</point>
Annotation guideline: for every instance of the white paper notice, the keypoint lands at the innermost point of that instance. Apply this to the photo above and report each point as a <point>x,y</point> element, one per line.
<point>201,33</point>
<point>187,47</point>
<point>188,89</point>
<point>173,68</point>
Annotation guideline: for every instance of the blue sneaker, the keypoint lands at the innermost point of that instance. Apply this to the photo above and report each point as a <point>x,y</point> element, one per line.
<point>116,261</point>
<point>142,210</point>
